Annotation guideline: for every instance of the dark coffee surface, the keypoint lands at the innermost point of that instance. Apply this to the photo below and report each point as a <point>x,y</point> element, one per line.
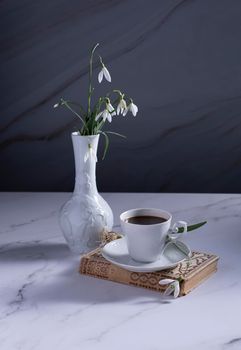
<point>145,220</point>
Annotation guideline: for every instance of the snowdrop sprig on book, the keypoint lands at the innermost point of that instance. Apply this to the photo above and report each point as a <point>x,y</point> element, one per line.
<point>173,286</point>
<point>94,116</point>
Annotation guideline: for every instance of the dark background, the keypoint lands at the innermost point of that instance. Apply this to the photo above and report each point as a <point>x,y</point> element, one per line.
<point>179,60</point>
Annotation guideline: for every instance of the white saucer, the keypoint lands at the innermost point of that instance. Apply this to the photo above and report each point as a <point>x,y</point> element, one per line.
<point>117,253</point>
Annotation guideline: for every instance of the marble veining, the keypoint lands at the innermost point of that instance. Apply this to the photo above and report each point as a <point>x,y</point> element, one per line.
<point>46,304</point>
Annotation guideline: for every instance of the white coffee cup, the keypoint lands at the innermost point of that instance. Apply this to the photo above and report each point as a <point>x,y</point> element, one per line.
<point>146,242</point>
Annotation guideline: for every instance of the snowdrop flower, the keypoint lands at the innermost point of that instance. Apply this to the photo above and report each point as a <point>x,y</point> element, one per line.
<point>179,224</point>
<point>107,113</point>
<point>174,287</point>
<point>175,232</point>
<point>90,153</point>
<point>56,105</point>
<point>110,108</point>
<point>132,108</point>
<point>122,107</point>
<point>104,73</point>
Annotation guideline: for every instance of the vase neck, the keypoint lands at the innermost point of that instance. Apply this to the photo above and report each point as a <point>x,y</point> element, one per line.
<point>85,150</point>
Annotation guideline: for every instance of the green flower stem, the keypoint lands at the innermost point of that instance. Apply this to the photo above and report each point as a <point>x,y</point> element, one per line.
<point>89,125</point>
<point>107,141</point>
<point>90,78</point>
<point>119,93</point>
<point>115,91</point>
<point>96,110</point>
<point>65,103</point>
<point>98,127</point>
<point>77,105</point>
<point>101,61</point>
<point>116,134</point>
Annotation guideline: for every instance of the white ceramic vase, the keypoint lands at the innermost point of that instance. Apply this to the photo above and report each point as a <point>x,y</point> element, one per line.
<point>84,217</point>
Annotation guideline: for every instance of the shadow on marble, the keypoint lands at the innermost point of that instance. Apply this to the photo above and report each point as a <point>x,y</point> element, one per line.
<point>59,281</point>
<point>82,290</point>
<point>16,252</point>
<point>70,286</point>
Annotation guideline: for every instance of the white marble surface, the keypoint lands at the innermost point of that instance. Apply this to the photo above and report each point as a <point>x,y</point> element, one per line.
<point>46,304</point>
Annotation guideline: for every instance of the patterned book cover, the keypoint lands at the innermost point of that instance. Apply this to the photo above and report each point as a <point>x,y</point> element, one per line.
<point>189,273</point>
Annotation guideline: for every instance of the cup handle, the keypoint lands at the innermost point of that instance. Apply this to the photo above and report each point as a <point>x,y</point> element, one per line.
<point>173,233</point>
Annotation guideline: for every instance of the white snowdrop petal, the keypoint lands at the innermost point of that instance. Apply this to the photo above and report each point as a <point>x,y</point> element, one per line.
<point>166,281</point>
<point>134,109</point>
<point>106,74</point>
<point>123,103</point>
<point>109,117</point>
<point>169,290</point>
<point>110,107</point>
<point>98,115</point>
<point>105,115</point>
<point>118,110</point>
<point>100,76</point>
<point>125,112</point>
<point>176,290</point>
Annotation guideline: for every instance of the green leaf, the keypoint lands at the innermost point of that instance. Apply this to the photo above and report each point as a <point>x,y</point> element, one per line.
<point>97,129</point>
<point>78,105</point>
<point>192,227</point>
<point>107,141</point>
<point>66,105</point>
<point>115,133</point>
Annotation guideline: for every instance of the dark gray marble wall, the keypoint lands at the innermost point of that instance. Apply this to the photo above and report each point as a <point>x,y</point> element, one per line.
<point>179,59</point>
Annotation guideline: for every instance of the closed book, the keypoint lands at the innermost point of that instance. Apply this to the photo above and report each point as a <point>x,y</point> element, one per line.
<point>190,273</point>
